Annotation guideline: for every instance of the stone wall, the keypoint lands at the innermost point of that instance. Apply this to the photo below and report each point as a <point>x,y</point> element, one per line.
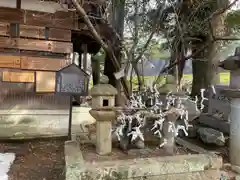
<point>27,123</point>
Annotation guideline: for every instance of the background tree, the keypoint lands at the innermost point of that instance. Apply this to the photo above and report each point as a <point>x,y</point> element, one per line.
<point>195,26</point>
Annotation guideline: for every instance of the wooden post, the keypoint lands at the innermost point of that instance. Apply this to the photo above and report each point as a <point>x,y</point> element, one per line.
<point>18,5</point>
<point>14,28</point>
<point>237,51</point>
<point>80,60</point>
<point>70,119</point>
<point>85,57</point>
<point>95,63</point>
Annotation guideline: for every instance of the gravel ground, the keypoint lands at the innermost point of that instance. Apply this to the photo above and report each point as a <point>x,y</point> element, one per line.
<point>36,159</point>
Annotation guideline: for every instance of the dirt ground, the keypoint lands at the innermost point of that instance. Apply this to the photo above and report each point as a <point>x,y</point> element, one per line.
<point>36,159</point>
<point>43,159</point>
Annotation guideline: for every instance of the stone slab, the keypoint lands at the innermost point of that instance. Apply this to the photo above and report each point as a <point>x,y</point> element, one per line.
<point>190,146</point>
<point>215,123</point>
<point>202,175</point>
<point>136,168</point>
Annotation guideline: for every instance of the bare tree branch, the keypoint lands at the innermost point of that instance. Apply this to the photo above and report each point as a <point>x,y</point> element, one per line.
<point>220,11</point>
<point>99,39</point>
<point>226,38</point>
<point>176,62</point>
<point>156,26</point>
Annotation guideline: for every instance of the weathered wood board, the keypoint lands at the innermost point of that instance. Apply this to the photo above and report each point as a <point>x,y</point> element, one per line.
<point>72,80</point>
<point>64,20</point>
<point>38,18</point>
<point>33,63</point>
<point>45,81</point>
<point>4,29</point>
<point>36,45</point>
<point>40,63</point>
<point>37,32</point>
<point>24,76</point>
<point>59,19</point>
<point>10,61</point>
<point>32,31</point>
<point>59,34</point>
<point>12,15</point>
<point>40,45</point>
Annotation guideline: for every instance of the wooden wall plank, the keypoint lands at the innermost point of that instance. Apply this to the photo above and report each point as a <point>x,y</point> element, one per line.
<point>36,45</point>
<point>38,18</point>
<point>60,19</point>
<point>41,45</point>
<point>45,81</point>
<point>32,62</point>
<point>4,29</point>
<point>64,19</point>
<point>32,31</point>
<point>5,42</point>
<point>11,15</point>
<point>39,63</point>
<point>23,76</point>
<point>60,34</point>
<point>38,32</point>
<point>10,61</point>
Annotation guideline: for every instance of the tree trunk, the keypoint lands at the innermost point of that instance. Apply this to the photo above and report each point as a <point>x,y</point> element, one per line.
<point>117,21</point>
<point>199,67</point>
<point>135,43</point>
<point>139,79</point>
<point>218,29</point>
<point>206,73</point>
<point>118,16</point>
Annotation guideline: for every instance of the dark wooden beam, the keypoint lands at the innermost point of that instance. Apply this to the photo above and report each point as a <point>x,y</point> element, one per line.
<point>18,5</point>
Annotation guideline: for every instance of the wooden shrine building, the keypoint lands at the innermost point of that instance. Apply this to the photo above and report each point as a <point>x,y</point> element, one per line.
<point>34,45</point>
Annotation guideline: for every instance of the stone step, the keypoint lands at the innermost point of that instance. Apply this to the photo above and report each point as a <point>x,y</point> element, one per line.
<point>202,175</point>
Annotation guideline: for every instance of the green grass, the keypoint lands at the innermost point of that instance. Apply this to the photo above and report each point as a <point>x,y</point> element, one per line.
<point>224,79</point>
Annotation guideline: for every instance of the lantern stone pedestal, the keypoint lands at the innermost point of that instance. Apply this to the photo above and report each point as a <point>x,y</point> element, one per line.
<point>103,101</point>
<point>233,93</point>
<point>103,130</point>
<point>234,147</point>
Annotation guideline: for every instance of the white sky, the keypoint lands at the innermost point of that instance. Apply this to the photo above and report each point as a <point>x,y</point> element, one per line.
<point>236,6</point>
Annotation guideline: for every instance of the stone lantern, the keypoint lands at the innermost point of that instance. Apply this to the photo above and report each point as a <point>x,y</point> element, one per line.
<point>232,63</point>
<point>103,101</point>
